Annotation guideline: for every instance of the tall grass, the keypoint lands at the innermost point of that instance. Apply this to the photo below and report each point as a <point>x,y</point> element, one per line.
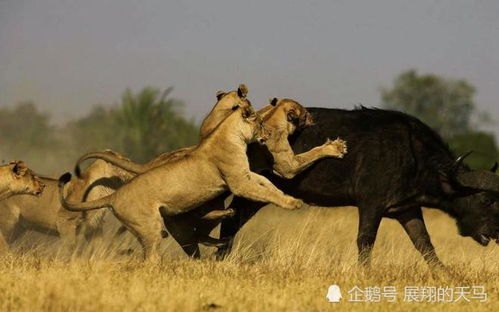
<point>282,261</point>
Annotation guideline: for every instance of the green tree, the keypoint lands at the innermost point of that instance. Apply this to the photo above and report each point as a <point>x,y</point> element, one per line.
<point>483,145</point>
<point>447,106</point>
<point>28,135</point>
<point>151,123</point>
<point>141,126</point>
<point>97,131</point>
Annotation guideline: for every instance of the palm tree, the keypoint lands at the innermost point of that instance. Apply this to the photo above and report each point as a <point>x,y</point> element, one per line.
<point>151,122</point>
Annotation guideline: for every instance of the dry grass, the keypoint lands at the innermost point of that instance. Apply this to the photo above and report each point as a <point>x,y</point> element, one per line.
<point>283,261</point>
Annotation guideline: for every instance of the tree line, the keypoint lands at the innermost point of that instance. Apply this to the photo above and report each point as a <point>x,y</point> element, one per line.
<point>141,126</point>
<point>446,105</point>
<point>148,122</point>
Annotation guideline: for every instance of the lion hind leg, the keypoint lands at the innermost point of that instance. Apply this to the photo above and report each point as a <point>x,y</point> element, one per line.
<point>148,232</point>
<point>149,237</point>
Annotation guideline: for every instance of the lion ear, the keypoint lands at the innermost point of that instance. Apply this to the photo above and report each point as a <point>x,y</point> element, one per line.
<point>273,101</point>
<point>242,91</point>
<point>220,95</point>
<point>19,168</point>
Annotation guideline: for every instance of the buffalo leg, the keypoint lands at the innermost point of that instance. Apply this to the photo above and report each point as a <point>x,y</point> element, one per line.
<point>244,210</point>
<point>183,232</point>
<point>212,242</point>
<point>369,221</point>
<point>413,223</point>
<point>218,214</point>
<point>191,249</point>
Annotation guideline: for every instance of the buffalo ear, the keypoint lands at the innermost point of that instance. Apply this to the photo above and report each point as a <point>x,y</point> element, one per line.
<point>292,116</point>
<point>273,101</point>
<point>19,168</point>
<point>242,91</point>
<point>220,95</point>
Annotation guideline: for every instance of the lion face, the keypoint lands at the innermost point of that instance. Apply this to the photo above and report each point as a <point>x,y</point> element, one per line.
<point>232,100</point>
<point>254,129</point>
<point>227,102</point>
<point>22,180</point>
<point>286,114</point>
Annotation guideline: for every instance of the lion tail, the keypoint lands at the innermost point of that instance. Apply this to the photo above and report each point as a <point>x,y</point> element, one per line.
<point>105,202</point>
<point>112,158</point>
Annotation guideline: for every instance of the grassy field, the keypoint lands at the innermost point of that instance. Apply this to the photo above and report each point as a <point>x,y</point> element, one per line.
<point>283,261</point>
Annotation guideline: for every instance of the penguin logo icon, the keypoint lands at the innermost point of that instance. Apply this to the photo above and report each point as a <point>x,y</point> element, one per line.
<point>334,293</point>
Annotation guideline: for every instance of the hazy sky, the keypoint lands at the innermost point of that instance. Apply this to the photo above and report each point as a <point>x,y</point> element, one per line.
<point>70,55</point>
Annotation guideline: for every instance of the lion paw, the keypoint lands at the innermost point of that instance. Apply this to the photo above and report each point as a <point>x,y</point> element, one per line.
<point>337,148</point>
<point>296,204</point>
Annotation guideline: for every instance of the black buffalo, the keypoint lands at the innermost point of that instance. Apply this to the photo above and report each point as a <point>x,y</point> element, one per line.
<point>395,165</point>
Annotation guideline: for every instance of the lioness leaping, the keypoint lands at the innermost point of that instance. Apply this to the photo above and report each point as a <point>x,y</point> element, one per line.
<point>219,163</point>
<point>283,117</point>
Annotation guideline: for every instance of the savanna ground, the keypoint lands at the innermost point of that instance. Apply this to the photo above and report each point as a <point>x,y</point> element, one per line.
<point>283,261</point>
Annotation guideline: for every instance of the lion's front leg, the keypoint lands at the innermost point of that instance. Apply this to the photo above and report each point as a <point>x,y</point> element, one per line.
<point>256,187</point>
<point>288,165</point>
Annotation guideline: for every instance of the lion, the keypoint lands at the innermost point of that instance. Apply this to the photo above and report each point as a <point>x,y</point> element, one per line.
<point>282,117</point>
<point>16,179</point>
<point>45,214</point>
<point>218,164</point>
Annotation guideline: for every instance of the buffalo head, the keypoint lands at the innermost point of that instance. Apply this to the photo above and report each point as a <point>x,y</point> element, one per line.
<point>475,202</point>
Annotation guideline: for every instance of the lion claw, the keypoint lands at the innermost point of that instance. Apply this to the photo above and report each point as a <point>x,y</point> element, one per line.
<point>337,148</point>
